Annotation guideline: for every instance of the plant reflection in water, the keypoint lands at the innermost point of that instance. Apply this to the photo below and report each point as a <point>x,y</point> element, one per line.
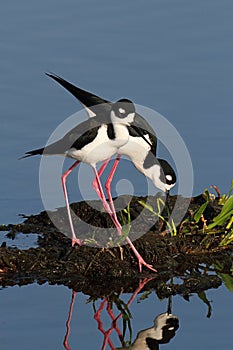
<point>163,330</point>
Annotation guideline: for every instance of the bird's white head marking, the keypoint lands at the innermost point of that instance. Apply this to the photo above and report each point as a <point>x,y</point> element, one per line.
<point>121,110</point>
<point>169,177</point>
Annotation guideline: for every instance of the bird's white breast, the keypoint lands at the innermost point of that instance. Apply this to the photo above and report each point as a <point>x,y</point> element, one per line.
<point>101,147</point>
<point>136,149</point>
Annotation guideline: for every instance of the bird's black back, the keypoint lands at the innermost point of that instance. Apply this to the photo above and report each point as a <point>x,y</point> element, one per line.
<point>78,137</point>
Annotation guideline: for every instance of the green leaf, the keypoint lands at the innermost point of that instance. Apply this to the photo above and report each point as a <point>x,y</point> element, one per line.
<point>203,297</point>
<point>174,230</point>
<point>229,223</point>
<point>220,220</point>
<point>160,202</point>
<point>228,280</point>
<point>145,295</point>
<point>224,215</point>
<point>206,194</point>
<point>171,227</point>
<point>228,206</point>
<point>224,198</point>
<point>199,212</point>
<point>147,206</point>
<point>227,239</point>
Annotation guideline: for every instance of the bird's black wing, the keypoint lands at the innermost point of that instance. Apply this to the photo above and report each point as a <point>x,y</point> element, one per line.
<point>77,137</point>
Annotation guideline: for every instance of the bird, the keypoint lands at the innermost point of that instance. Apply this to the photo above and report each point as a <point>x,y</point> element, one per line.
<point>93,141</point>
<point>141,153</point>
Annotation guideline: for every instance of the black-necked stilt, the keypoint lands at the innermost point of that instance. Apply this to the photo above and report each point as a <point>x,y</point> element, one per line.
<point>93,141</point>
<point>141,153</point>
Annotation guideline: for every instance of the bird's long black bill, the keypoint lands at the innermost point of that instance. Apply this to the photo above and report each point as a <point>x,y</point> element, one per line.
<point>169,307</point>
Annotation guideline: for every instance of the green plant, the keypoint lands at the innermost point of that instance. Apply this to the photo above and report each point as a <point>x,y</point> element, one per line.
<point>200,211</point>
<point>225,215</point>
<point>224,197</point>
<point>126,226</point>
<point>224,219</point>
<point>227,278</point>
<point>203,297</point>
<point>160,205</point>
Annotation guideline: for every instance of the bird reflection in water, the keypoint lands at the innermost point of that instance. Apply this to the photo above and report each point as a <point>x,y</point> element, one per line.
<point>163,330</point>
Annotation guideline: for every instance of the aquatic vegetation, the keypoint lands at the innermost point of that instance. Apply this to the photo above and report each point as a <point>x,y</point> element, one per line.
<point>226,277</point>
<point>199,221</point>
<point>161,205</point>
<point>224,219</point>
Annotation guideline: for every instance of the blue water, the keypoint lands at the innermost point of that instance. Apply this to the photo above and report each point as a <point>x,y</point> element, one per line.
<point>172,56</point>
<point>35,316</point>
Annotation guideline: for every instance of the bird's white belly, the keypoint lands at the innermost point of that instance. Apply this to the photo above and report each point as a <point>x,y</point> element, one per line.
<point>136,149</point>
<point>100,148</point>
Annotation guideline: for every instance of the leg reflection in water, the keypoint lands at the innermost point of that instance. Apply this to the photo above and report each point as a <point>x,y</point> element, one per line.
<point>115,319</point>
<point>163,330</point>
<point>66,342</point>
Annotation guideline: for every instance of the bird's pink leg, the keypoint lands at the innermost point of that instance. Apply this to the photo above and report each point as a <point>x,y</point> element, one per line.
<point>108,184</point>
<point>99,190</point>
<point>100,172</point>
<point>141,261</point>
<point>63,180</point>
